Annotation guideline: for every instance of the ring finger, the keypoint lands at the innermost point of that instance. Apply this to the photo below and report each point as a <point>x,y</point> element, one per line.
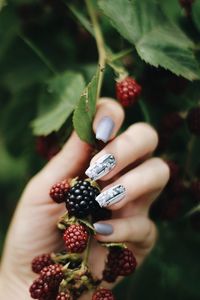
<point>151,176</point>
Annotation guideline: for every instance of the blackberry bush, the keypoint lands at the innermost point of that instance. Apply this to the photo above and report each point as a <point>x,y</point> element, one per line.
<point>50,81</point>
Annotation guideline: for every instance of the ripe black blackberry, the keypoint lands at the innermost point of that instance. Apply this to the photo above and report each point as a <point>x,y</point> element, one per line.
<point>101,214</point>
<point>109,276</point>
<point>40,262</point>
<point>81,199</point>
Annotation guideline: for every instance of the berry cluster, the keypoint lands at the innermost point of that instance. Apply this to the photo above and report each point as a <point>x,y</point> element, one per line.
<point>65,275</point>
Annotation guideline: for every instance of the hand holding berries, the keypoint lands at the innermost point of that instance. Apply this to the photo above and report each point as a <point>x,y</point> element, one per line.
<point>37,209</point>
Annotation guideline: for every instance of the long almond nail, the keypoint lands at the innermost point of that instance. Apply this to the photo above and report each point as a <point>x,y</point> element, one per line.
<point>101,167</point>
<point>111,196</point>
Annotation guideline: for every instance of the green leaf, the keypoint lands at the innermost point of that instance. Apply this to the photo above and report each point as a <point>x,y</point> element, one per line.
<point>158,40</point>
<point>2,4</point>
<point>65,91</point>
<point>196,14</point>
<point>85,111</point>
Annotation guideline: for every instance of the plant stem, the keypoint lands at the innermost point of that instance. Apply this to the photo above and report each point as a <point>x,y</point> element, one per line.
<point>87,251</point>
<point>189,156</point>
<point>39,54</point>
<point>100,42</point>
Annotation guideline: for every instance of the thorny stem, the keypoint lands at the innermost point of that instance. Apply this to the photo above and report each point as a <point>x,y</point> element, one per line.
<point>100,42</point>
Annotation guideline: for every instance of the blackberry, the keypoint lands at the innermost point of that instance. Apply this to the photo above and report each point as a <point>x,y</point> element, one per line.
<point>40,262</point>
<point>128,91</point>
<point>101,214</point>
<point>103,294</point>
<point>59,191</point>
<point>52,275</point>
<point>76,238</point>
<point>64,296</point>
<point>40,289</point>
<point>47,146</point>
<point>121,261</point>
<point>109,276</point>
<point>81,199</point>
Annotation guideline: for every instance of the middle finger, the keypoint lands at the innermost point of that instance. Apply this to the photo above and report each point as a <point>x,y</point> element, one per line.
<point>138,141</point>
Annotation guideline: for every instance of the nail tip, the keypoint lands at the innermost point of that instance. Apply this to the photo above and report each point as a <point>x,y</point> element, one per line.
<point>102,228</point>
<point>105,129</point>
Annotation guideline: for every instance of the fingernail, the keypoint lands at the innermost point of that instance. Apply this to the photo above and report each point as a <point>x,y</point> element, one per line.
<point>104,129</point>
<point>101,166</point>
<point>102,228</point>
<point>111,196</point>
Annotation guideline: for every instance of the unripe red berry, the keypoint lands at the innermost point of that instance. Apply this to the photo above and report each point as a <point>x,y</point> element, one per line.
<point>64,296</point>
<point>76,238</point>
<point>128,91</point>
<point>103,294</point>
<point>40,262</point>
<point>59,191</point>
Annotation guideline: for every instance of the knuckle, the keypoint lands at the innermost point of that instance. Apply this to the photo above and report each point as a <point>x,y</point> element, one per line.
<point>145,130</point>
<point>112,106</point>
<point>163,166</point>
<point>151,235</point>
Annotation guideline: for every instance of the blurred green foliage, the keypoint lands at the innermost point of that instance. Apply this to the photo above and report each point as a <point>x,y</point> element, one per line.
<point>40,40</point>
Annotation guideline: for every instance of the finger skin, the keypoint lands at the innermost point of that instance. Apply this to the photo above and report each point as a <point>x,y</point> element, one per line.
<point>149,177</point>
<point>137,229</point>
<point>138,141</point>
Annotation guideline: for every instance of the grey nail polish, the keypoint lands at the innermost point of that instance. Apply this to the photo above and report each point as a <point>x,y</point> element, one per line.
<point>104,129</point>
<point>102,228</point>
<point>101,167</point>
<point>111,196</point>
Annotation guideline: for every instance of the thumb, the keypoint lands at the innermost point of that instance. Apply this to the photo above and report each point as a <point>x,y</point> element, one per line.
<point>71,161</point>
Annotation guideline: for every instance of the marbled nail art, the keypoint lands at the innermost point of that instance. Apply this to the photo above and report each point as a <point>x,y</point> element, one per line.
<point>101,167</point>
<point>111,196</point>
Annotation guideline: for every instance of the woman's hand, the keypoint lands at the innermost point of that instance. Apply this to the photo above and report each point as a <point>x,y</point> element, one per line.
<point>33,230</point>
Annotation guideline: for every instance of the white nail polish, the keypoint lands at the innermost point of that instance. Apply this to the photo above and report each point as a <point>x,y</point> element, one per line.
<point>105,129</point>
<point>101,167</point>
<point>111,196</point>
